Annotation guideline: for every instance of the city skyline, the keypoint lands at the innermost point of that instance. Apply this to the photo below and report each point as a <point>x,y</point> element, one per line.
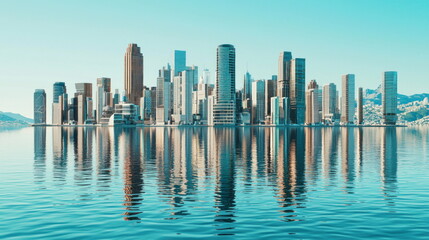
<point>83,58</point>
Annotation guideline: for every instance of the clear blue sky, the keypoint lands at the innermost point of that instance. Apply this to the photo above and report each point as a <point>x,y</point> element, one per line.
<point>77,41</point>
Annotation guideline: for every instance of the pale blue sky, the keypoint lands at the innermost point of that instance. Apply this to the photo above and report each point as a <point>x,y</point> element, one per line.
<point>77,41</point>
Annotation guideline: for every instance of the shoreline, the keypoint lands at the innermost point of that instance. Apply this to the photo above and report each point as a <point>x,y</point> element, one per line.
<point>219,126</point>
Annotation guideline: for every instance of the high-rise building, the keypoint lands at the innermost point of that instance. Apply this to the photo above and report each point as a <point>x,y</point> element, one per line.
<point>186,95</point>
<point>133,78</point>
<point>205,76</point>
<point>275,107</point>
<point>360,106</point>
<point>116,98</point>
<point>329,106</point>
<point>284,75</point>
<point>258,102</point>
<point>103,96</point>
<point>179,61</point>
<point>297,91</point>
<point>39,106</point>
<point>247,91</point>
<point>60,90</point>
<point>348,99</point>
<point>270,91</point>
<point>224,108</point>
<point>390,97</point>
<point>312,100</point>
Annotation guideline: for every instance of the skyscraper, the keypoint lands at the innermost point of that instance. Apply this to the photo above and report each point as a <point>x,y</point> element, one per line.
<point>103,96</point>
<point>284,75</point>
<point>179,61</point>
<point>59,89</point>
<point>39,106</point>
<point>312,100</point>
<point>329,106</point>
<point>360,106</point>
<point>133,78</point>
<point>258,103</point>
<point>60,103</point>
<point>224,108</point>
<point>297,91</point>
<point>390,97</point>
<point>348,99</point>
<point>270,91</point>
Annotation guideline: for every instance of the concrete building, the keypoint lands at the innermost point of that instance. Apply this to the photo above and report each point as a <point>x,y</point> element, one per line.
<point>297,91</point>
<point>133,77</point>
<point>329,103</point>
<point>258,103</point>
<point>390,97</point>
<point>284,76</point>
<point>348,99</point>
<point>125,114</point>
<point>360,106</point>
<point>312,100</point>
<point>210,109</point>
<point>39,106</point>
<point>224,108</point>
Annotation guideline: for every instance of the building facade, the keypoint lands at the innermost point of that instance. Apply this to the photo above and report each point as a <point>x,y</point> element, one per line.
<point>348,99</point>
<point>224,108</point>
<point>390,97</point>
<point>133,77</point>
<point>39,106</point>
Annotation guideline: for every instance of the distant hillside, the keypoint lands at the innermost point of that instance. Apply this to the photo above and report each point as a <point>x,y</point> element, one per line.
<point>374,96</point>
<point>14,119</point>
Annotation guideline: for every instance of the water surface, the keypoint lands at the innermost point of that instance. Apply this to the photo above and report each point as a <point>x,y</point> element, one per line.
<point>232,183</point>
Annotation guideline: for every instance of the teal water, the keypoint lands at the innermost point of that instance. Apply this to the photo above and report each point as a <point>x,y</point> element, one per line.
<point>231,183</point>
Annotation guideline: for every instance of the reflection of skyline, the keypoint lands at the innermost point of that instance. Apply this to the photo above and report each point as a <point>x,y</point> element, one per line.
<point>183,163</point>
<point>39,154</point>
<point>389,163</point>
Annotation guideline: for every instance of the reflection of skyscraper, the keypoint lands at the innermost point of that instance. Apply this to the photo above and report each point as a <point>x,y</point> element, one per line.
<point>133,176</point>
<point>59,152</point>
<point>389,162</point>
<point>133,74</point>
<point>291,172</point>
<point>225,177</point>
<point>39,154</point>
<point>348,156</point>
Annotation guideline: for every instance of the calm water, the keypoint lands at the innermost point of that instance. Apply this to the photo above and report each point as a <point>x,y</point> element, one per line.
<point>303,183</point>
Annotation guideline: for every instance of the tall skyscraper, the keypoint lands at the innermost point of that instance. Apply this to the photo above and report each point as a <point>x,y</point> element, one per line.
<point>39,106</point>
<point>59,89</point>
<point>103,96</point>
<point>329,106</point>
<point>133,78</point>
<point>390,97</point>
<point>179,61</point>
<point>258,102</point>
<point>224,108</point>
<point>284,75</point>
<point>360,106</point>
<point>270,91</point>
<point>348,99</point>
<point>297,91</point>
<point>247,94</point>
<point>312,100</point>
<point>60,105</point>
